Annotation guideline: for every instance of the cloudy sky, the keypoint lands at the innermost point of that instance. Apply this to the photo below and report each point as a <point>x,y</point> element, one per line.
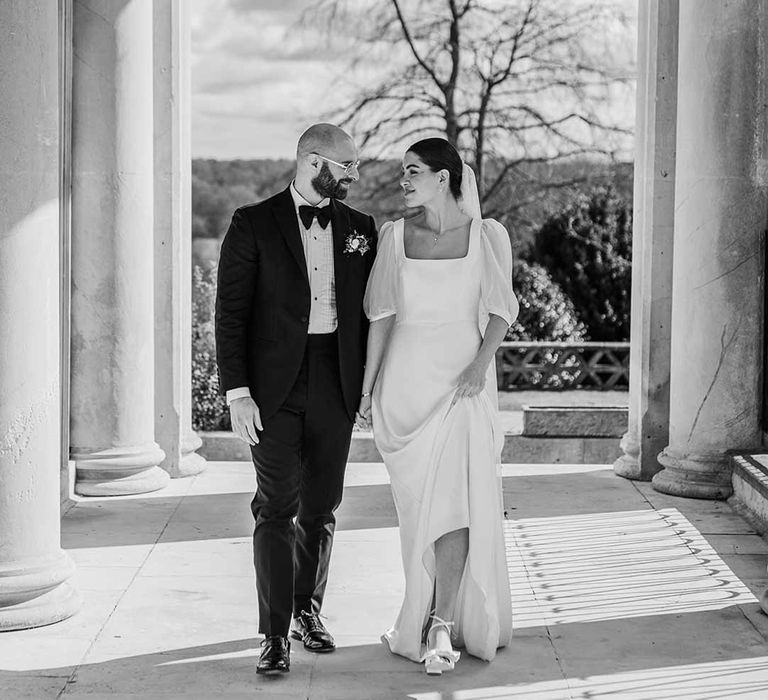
<point>258,79</point>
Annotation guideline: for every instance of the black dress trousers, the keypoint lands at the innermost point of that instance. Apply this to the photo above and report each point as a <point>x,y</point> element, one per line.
<point>300,462</point>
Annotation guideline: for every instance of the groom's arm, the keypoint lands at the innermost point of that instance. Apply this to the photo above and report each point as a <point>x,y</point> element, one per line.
<point>236,283</point>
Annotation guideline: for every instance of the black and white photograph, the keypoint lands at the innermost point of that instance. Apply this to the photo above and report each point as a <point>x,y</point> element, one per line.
<point>384,349</point>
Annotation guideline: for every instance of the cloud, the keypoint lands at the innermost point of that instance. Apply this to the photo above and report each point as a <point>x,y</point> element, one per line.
<point>257,81</point>
<point>280,6</point>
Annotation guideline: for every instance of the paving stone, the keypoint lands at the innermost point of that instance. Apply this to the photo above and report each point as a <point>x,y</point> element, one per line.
<point>209,671</point>
<point>738,544</point>
<point>211,557</point>
<point>31,686</point>
<point>748,566</point>
<point>656,641</point>
<point>131,556</point>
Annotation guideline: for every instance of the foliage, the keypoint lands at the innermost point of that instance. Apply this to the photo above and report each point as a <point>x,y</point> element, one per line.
<point>209,408</point>
<point>219,187</point>
<point>587,248</point>
<point>546,313</point>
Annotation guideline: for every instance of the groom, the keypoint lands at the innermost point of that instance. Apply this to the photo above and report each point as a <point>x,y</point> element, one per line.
<point>290,346</point>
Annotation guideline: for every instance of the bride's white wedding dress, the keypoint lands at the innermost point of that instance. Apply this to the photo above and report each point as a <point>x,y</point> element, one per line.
<point>443,461</point>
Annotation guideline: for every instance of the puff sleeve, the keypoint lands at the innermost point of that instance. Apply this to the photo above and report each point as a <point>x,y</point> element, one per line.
<point>380,298</point>
<point>496,293</point>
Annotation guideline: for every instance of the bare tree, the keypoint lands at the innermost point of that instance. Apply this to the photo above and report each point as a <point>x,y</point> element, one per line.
<point>515,85</point>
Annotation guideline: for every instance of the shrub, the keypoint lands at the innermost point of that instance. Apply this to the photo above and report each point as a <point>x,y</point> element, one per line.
<point>209,408</point>
<point>546,313</point>
<point>587,248</point>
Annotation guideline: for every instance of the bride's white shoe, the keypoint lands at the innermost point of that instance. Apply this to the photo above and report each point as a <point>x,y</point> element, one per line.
<point>440,655</point>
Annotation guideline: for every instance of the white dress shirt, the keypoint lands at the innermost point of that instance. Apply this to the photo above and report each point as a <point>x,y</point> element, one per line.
<point>318,255</point>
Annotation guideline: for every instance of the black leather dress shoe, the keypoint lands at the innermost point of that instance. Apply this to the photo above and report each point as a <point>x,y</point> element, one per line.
<point>308,628</point>
<point>276,655</point>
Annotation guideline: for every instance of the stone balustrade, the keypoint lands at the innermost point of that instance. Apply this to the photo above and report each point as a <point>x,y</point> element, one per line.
<point>558,366</point>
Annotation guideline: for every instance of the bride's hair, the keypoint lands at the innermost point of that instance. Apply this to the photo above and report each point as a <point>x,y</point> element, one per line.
<point>438,154</point>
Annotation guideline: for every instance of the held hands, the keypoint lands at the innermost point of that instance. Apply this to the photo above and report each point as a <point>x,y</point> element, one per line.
<point>246,419</point>
<point>471,382</point>
<point>363,415</point>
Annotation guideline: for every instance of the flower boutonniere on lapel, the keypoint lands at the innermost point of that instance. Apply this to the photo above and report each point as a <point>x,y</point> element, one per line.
<point>356,243</point>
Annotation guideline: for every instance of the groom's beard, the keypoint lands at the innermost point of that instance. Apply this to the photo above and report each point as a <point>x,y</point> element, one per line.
<point>328,186</point>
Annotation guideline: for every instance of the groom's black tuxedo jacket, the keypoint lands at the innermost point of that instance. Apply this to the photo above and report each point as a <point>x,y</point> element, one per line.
<point>263,299</point>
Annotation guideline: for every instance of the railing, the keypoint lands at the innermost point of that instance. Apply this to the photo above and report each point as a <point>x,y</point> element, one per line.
<point>557,366</point>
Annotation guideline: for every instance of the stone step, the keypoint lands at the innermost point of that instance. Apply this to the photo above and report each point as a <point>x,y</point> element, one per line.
<point>750,488</point>
<point>559,420</point>
<point>518,447</point>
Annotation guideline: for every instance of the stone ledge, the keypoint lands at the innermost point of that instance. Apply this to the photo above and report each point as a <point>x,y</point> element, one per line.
<point>575,421</point>
<point>750,489</point>
<point>518,449</point>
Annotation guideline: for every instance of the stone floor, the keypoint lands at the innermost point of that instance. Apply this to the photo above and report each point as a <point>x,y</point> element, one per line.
<point>619,592</point>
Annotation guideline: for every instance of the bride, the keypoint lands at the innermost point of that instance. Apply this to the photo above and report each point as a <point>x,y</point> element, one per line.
<point>440,301</point>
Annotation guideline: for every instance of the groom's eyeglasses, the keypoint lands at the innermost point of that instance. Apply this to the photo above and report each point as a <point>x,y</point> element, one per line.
<point>347,167</point>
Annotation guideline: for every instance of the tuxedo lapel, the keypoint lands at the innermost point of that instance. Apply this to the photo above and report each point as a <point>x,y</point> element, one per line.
<point>341,228</point>
<point>285,213</point>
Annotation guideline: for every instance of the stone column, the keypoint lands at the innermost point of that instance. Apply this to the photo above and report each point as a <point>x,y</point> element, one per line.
<point>173,241</point>
<point>654,210</point>
<point>721,194</point>
<point>34,571</point>
<point>112,391</point>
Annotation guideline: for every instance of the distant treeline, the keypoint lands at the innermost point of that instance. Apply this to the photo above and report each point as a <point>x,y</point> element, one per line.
<point>220,186</point>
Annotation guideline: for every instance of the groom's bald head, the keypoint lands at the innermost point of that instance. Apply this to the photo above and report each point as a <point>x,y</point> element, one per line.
<point>326,161</point>
<point>324,139</point>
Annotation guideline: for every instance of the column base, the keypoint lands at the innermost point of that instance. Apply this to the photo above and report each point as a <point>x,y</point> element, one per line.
<point>182,460</point>
<point>191,463</point>
<point>693,476</point>
<point>628,465</point>
<point>37,593</point>
<point>119,471</point>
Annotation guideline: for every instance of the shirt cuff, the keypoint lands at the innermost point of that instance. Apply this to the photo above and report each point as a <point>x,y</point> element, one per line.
<point>238,393</point>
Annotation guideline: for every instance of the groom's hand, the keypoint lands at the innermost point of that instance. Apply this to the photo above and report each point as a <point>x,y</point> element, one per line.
<point>246,419</point>
<point>363,415</point>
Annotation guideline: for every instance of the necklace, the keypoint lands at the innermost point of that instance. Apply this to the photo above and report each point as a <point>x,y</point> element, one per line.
<point>436,236</point>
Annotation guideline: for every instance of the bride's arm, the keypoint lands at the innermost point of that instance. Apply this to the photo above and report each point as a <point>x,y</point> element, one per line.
<point>378,336</point>
<point>472,379</point>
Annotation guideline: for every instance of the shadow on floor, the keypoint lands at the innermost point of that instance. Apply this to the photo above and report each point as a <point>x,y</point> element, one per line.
<point>202,517</point>
<point>653,658</point>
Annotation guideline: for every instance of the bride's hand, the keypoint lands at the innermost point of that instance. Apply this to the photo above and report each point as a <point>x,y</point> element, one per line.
<point>363,415</point>
<point>471,382</point>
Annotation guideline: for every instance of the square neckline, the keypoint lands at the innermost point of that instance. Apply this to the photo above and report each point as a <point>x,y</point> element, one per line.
<point>400,224</point>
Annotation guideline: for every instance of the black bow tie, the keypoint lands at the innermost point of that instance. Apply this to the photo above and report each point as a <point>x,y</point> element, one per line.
<point>307,214</point>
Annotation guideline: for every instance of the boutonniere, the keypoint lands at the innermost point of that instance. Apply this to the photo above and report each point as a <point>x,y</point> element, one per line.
<point>357,243</point>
